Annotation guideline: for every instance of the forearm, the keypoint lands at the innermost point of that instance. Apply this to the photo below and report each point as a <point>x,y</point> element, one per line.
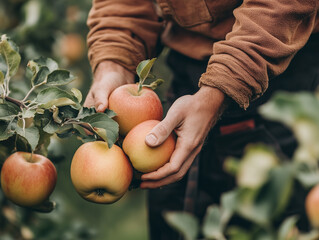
<point>264,39</point>
<point>123,31</point>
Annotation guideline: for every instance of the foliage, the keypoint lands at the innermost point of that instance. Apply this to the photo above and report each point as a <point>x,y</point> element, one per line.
<point>50,108</point>
<point>47,108</point>
<point>266,182</point>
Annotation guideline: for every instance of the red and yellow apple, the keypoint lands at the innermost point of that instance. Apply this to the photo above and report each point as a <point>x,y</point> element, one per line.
<point>144,158</point>
<point>101,174</point>
<point>133,107</point>
<point>28,179</point>
<point>312,206</point>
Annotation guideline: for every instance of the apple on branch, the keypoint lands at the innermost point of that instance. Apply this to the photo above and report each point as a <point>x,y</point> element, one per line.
<point>101,174</point>
<point>136,103</point>
<point>28,179</point>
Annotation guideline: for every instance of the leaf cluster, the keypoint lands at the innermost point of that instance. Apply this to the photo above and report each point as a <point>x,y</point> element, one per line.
<point>48,108</point>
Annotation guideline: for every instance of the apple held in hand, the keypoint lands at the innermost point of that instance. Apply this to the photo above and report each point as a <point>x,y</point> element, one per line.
<point>312,206</point>
<point>100,174</point>
<point>133,107</point>
<point>144,158</point>
<point>28,179</point>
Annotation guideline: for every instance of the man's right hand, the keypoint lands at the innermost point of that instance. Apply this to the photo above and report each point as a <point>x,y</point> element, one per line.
<point>107,77</point>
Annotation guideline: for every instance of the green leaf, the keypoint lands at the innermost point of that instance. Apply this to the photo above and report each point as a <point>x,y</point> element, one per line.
<point>84,112</point>
<point>48,62</point>
<point>55,115</point>
<point>31,134</point>
<point>156,84</point>
<point>40,76</point>
<point>183,222</point>
<point>102,120</point>
<point>144,68</point>
<point>46,122</point>
<point>8,111</point>
<point>3,65</point>
<point>1,78</point>
<point>285,231</point>
<point>59,77</point>
<point>268,202</point>
<point>101,133</point>
<point>28,113</point>
<point>307,174</point>
<point>9,52</point>
<point>254,168</point>
<point>68,112</point>
<point>77,93</point>
<point>69,131</point>
<point>288,107</point>
<point>49,97</point>
<point>236,233</point>
<point>5,130</point>
<point>213,227</point>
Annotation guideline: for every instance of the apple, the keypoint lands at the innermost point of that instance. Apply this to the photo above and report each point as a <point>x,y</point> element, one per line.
<point>144,158</point>
<point>133,107</point>
<point>28,179</point>
<point>72,47</point>
<point>312,206</point>
<point>101,174</point>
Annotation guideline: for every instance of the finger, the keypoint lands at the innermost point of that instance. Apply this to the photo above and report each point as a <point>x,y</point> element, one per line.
<point>100,99</point>
<point>172,178</point>
<point>182,153</point>
<point>89,101</point>
<point>162,130</point>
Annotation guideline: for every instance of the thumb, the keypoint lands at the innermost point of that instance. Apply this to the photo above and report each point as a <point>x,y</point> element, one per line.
<point>101,100</point>
<point>160,133</point>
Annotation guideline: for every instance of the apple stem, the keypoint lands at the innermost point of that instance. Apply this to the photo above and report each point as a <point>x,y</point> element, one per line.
<point>140,86</point>
<point>30,158</point>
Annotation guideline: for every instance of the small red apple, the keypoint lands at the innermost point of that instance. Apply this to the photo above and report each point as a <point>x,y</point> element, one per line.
<point>133,107</point>
<point>144,158</point>
<point>101,174</point>
<point>28,179</point>
<point>312,206</point>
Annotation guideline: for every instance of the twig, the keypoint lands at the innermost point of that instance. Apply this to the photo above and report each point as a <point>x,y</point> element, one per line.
<point>15,101</point>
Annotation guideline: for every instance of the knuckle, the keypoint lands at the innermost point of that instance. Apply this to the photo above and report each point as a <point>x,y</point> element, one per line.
<point>175,168</point>
<point>162,130</point>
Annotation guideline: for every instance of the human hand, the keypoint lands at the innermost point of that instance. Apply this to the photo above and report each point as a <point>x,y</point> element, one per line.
<point>108,76</point>
<point>191,117</point>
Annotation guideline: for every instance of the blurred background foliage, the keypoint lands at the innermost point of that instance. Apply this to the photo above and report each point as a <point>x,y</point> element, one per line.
<point>57,29</point>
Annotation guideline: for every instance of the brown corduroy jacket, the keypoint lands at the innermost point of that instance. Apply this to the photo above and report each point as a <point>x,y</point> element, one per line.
<point>248,41</point>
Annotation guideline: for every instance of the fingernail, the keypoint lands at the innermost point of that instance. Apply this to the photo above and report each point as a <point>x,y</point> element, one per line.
<point>151,139</point>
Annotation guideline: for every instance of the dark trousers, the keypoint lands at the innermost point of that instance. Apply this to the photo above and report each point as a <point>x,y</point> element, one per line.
<point>301,75</point>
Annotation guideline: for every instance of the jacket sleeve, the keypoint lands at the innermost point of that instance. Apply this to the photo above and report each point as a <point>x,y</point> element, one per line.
<point>124,31</point>
<point>265,37</point>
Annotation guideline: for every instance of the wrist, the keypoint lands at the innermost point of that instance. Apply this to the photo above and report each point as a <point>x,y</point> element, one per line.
<point>212,100</point>
<point>212,96</point>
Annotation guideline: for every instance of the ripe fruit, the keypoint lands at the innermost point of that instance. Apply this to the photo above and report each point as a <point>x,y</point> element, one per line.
<point>144,158</point>
<point>133,108</point>
<point>312,206</point>
<point>100,174</point>
<point>28,179</point>
<point>71,47</point>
